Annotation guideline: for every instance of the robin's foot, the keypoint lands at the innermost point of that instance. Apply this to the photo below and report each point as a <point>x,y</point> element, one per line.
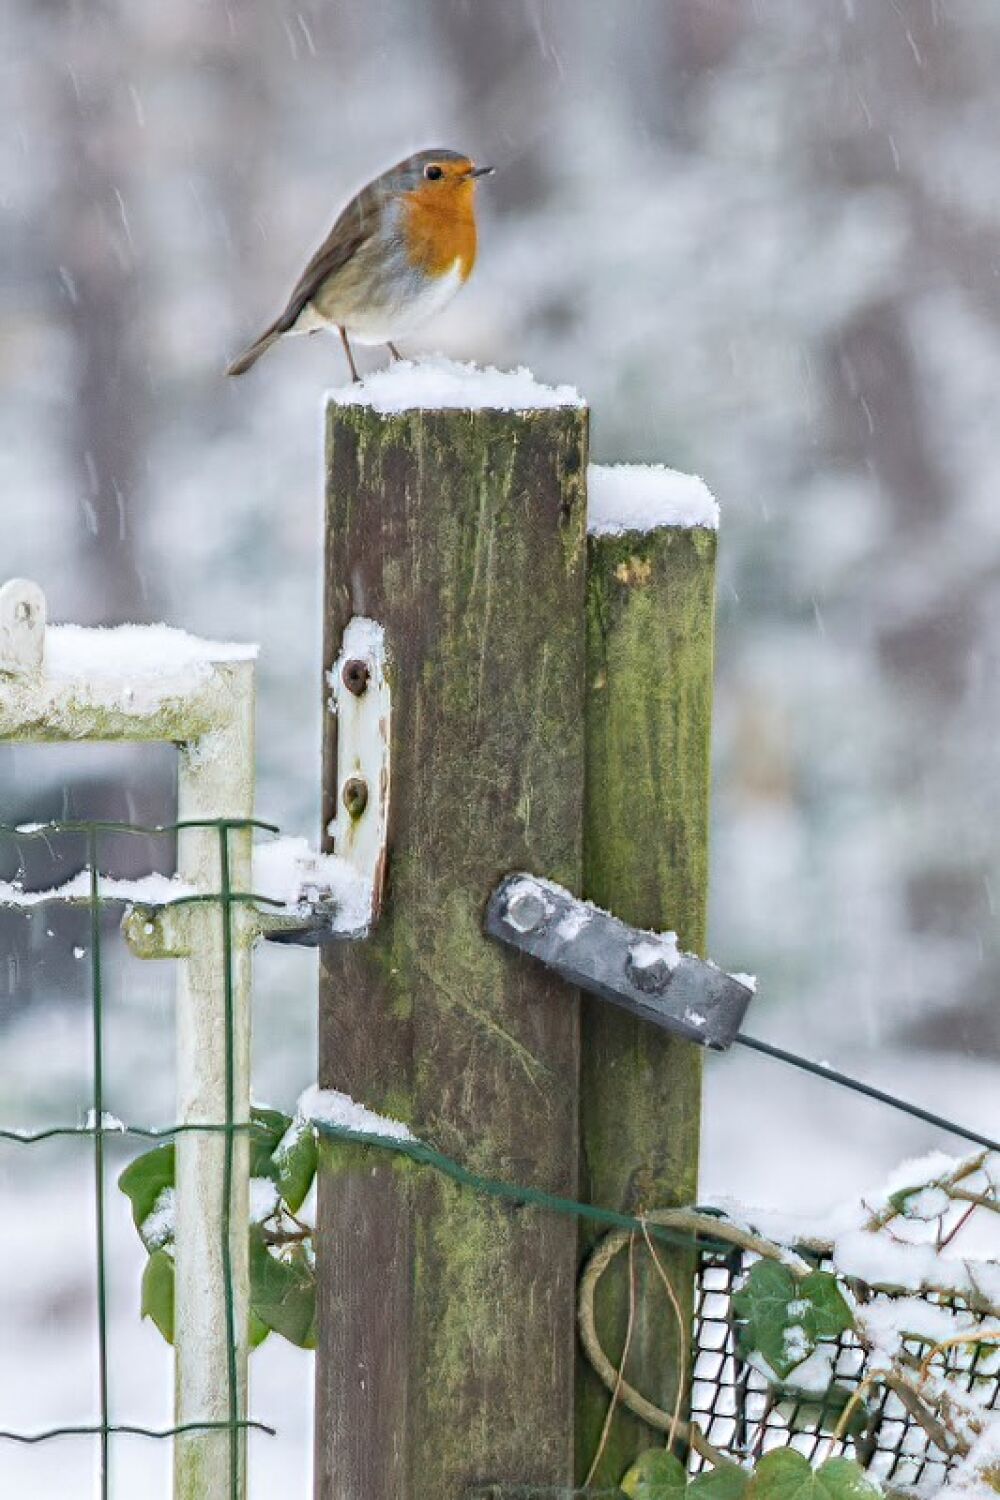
<point>350,357</point>
<point>393,350</point>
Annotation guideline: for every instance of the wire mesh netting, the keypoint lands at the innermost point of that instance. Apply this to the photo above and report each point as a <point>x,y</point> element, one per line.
<point>90,890</point>
<point>737,1409</point>
<point>731,1399</point>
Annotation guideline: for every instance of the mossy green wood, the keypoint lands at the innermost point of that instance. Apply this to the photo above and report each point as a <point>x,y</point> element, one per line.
<point>650,634</point>
<point>446,1321</point>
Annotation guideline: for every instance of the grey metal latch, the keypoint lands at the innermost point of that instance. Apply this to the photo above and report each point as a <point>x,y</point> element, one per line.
<point>644,973</point>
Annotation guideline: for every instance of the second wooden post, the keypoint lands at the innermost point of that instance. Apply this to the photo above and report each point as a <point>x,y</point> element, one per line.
<point>446,1351</point>
<point>650,646</point>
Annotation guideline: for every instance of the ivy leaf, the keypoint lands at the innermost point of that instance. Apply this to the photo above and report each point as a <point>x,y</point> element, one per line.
<point>828,1314</point>
<point>258,1331</point>
<point>655,1475</point>
<point>269,1126</point>
<point>727,1482</point>
<point>158,1293</point>
<point>283,1291</point>
<point>786,1475</point>
<point>145,1178</point>
<point>658,1475</point>
<point>761,1307</point>
<point>783,1318</point>
<point>295,1164</point>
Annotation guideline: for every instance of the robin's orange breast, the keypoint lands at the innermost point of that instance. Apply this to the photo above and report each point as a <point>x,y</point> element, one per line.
<point>439,229</point>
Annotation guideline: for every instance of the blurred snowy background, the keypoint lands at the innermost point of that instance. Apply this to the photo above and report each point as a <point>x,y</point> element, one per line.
<point>762,238</point>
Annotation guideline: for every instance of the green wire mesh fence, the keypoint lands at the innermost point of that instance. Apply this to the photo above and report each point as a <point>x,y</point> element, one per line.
<point>99,1126</point>
<point>730,1399</point>
<point>737,1409</point>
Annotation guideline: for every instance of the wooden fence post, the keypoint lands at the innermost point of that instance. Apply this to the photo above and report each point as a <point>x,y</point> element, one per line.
<point>650,632</point>
<point>446,1352</point>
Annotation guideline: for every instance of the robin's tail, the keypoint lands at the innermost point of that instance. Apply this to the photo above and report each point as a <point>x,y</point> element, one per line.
<point>260,346</point>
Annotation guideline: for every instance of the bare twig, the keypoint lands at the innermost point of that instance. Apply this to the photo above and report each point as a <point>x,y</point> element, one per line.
<point>681,1335</point>
<point>613,1403</point>
<point>945,1438</point>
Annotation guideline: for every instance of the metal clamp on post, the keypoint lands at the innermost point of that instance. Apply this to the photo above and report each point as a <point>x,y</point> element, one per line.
<point>644,973</point>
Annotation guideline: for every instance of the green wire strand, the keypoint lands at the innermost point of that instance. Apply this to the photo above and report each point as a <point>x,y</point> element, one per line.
<point>513,1192</point>
<point>30,1438</point>
<point>108,825</point>
<point>143,1132</point>
<point>97,1012</point>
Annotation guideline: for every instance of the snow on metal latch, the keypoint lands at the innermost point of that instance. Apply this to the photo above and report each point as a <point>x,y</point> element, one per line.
<point>644,973</point>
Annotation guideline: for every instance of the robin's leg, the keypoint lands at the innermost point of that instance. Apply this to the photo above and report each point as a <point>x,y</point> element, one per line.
<point>350,357</point>
<point>393,350</point>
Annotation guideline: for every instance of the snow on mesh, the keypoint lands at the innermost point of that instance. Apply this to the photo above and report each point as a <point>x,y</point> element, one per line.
<point>123,651</point>
<point>639,497</point>
<point>438,383</point>
<point>148,890</point>
<point>330,1107</point>
<point>285,870</point>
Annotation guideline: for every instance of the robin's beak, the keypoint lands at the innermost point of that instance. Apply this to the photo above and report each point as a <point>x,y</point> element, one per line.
<point>481,171</point>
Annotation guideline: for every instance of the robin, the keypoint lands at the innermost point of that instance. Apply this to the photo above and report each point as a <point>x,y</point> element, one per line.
<point>397,255</point>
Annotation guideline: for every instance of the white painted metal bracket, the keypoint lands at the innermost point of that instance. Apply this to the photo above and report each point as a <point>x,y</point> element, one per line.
<point>360,698</point>
<point>22,627</point>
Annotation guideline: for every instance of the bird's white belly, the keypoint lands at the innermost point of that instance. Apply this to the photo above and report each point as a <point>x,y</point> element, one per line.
<point>381,324</point>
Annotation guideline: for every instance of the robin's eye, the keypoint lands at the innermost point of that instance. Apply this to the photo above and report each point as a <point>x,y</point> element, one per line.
<point>433,172</point>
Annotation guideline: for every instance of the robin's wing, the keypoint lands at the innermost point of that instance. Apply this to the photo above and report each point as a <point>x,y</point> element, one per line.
<point>355,226</point>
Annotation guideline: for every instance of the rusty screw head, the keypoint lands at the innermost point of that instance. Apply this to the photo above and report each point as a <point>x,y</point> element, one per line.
<point>355,795</point>
<point>355,675</point>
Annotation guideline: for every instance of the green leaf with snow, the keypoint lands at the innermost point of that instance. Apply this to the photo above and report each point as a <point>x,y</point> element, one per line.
<point>158,1293</point>
<point>269,1125</point>
<point>787,1475</point>
<point>828,1314</point>
<point>295,1164</point>
<point>783,1318</point>
<point>145,1178</point>
<point>283,1294</point>
<point>283,1290</point>
<point>655,1475</point>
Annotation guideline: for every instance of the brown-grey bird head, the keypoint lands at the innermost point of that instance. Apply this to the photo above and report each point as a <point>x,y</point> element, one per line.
<point>438,167</point>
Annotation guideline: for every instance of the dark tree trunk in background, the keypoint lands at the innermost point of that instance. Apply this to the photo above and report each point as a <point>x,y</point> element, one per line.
<point>501,55</point>
<point>94,256</point>
<point>899,77</point>
<point>672,48</point>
